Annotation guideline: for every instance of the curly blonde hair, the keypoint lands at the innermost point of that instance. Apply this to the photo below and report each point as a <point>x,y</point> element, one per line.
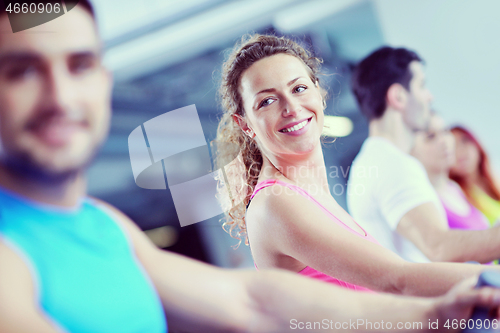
<point>238,155</point>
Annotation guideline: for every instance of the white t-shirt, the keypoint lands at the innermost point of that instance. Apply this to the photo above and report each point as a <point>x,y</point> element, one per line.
<point>384,184</point>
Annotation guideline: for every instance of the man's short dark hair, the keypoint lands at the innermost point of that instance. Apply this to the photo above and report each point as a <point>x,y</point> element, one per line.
<point>373,76</point>
<point>84,3</point>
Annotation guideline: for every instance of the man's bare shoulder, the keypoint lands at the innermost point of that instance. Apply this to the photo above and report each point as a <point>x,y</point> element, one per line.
<point>19,311</point>
<point>14,268</point>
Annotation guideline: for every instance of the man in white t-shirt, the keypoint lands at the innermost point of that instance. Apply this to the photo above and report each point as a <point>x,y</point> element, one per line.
<point>389,193</point>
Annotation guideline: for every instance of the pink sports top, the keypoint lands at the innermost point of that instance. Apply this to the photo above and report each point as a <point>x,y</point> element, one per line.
<point>474,220</point>
<point>309,271</point>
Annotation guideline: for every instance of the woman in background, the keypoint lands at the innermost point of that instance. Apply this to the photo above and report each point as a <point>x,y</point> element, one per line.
<point>472,171</point>
<point>435,148</point>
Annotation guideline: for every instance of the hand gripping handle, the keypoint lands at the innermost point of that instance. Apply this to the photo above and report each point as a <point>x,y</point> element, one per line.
<point>481,315</point>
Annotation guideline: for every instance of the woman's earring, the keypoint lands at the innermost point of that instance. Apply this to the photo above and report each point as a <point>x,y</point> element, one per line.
<point>251,134</point>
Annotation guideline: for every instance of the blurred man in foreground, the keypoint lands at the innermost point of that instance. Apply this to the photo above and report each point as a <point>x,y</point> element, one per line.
<point>72,263</point>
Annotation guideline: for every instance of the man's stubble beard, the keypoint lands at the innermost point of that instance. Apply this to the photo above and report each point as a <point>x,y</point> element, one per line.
<point>23,166</point>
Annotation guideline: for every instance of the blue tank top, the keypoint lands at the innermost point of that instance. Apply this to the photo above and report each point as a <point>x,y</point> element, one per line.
<point>86,275</point>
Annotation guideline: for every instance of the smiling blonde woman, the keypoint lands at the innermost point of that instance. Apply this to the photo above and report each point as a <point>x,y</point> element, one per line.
<point>274,111</point>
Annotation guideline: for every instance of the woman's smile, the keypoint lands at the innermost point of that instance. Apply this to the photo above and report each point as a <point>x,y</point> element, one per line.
<point>296,128</point>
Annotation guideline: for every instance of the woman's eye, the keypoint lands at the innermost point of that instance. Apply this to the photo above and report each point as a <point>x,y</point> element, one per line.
<point>431,136</point>
<point>299,89</point>
<point>266,102</point>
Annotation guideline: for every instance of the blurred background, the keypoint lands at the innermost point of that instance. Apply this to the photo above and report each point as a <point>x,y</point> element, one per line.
<point>167,54</point>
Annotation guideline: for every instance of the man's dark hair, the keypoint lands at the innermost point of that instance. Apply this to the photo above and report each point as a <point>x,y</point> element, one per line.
<point>69,4</point>
<point>373,76</point>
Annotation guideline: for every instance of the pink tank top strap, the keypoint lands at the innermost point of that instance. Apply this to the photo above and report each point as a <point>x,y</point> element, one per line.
<point>309,271</point>
<point>270,182</point>
<point>264,184</point>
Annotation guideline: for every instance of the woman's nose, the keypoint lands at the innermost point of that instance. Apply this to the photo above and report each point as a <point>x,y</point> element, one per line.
<point>291,107</point>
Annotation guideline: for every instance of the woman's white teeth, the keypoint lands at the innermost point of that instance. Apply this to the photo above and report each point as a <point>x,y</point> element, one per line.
<point>296,127</point>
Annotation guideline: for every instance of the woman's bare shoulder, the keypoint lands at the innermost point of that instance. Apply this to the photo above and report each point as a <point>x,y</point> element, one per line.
<point>277,204</point>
